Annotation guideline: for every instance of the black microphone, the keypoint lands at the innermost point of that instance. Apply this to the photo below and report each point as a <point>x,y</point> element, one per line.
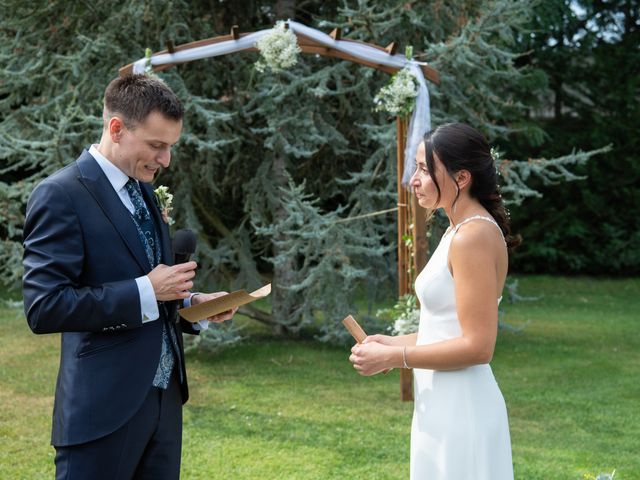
<point>184,245</point>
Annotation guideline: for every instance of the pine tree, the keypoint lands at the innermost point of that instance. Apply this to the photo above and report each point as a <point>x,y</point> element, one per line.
<point>590,52</point>
<point>273,171</point>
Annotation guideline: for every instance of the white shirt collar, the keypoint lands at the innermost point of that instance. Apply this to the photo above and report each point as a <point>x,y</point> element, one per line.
<point>116,177</point>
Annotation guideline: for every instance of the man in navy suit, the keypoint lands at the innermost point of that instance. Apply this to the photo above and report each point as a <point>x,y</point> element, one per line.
<point>99,269</point>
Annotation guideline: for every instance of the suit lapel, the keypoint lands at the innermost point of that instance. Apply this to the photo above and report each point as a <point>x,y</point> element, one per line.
<point>96,182</point>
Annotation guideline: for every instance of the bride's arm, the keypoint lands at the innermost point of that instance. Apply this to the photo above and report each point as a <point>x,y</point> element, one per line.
<point>474,259</point>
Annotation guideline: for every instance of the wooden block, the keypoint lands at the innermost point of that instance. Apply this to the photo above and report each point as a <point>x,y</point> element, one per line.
<point>235,33</point>
<point>354,328</point>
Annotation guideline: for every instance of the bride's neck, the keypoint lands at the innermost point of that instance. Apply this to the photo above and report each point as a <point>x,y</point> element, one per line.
<point>463,209</point>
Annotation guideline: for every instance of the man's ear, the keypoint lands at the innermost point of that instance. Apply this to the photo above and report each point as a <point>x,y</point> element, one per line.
<point>116,129</point>
<point>463,178</point>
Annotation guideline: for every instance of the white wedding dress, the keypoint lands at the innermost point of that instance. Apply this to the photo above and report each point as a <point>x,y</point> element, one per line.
<point>460,429</point>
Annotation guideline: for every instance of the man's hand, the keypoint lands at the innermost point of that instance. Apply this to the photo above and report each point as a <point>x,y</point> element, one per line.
<point>172,283</point>
<point>205,297</point>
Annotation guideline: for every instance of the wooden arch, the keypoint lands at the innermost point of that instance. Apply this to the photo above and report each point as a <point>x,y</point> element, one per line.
<point>306,44</point>
<point>412,238</point>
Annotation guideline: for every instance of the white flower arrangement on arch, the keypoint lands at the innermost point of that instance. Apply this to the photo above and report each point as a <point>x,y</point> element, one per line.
<point>278,50</point>
<point>407,323</point>
<point>405,313</point>
<point>398,97</point>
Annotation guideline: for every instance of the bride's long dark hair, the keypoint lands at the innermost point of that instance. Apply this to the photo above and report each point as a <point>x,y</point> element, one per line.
<point>461,147</point>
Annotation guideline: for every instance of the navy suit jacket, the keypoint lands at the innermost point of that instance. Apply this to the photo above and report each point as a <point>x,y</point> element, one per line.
<point>82,254</point>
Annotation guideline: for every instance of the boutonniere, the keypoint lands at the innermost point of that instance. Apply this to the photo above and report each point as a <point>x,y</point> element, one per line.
<point>164,199</point>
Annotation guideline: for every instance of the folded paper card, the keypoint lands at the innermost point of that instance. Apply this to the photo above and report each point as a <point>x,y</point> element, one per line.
<point>222,304</point>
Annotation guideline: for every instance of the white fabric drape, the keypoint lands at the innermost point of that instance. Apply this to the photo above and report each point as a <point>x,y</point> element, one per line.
<point>420,120</point>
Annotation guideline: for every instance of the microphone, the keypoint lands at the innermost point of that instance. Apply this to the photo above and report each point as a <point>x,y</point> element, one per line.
<point>184,245</point>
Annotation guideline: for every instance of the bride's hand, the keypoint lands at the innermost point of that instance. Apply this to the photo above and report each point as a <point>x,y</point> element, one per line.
<point>383,339</point>
<point>370,358</point>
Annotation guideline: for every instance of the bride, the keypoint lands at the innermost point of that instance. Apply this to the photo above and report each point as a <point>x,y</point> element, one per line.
<point>460,428</point>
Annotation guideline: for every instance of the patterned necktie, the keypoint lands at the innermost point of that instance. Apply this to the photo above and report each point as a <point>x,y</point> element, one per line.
<point>144,223</point>
<point>150,241</point>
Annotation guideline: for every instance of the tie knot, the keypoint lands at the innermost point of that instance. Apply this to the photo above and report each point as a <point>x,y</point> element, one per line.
<point>135,194</point>
<point>132,184</point>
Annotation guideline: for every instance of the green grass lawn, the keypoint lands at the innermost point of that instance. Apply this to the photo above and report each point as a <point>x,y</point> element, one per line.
<point>273,409</point>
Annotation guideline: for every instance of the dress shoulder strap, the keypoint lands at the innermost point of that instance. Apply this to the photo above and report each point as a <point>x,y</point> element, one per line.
<point>478,217</point>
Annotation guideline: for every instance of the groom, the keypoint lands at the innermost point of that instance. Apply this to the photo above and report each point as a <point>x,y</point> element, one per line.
<point>98,268</point>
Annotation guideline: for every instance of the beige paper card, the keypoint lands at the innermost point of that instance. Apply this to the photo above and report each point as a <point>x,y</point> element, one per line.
<point>222,304</point>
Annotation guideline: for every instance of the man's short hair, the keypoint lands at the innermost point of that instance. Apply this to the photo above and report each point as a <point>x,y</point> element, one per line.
<point>134,97</point>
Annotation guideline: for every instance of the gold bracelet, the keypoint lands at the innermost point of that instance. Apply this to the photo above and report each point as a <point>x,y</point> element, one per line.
<point>404,357</point>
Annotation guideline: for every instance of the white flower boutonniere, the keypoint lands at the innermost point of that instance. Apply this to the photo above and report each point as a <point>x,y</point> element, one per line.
<point>165,200</point>
<point>279,49</point>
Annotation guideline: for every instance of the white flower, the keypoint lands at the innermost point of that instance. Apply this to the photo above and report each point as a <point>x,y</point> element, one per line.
<point>407,323</point>
<point>165,200</point>
<point>279,49</point>
<point>398,97</point>
<point>495,154</point>
<point>406,313</point>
